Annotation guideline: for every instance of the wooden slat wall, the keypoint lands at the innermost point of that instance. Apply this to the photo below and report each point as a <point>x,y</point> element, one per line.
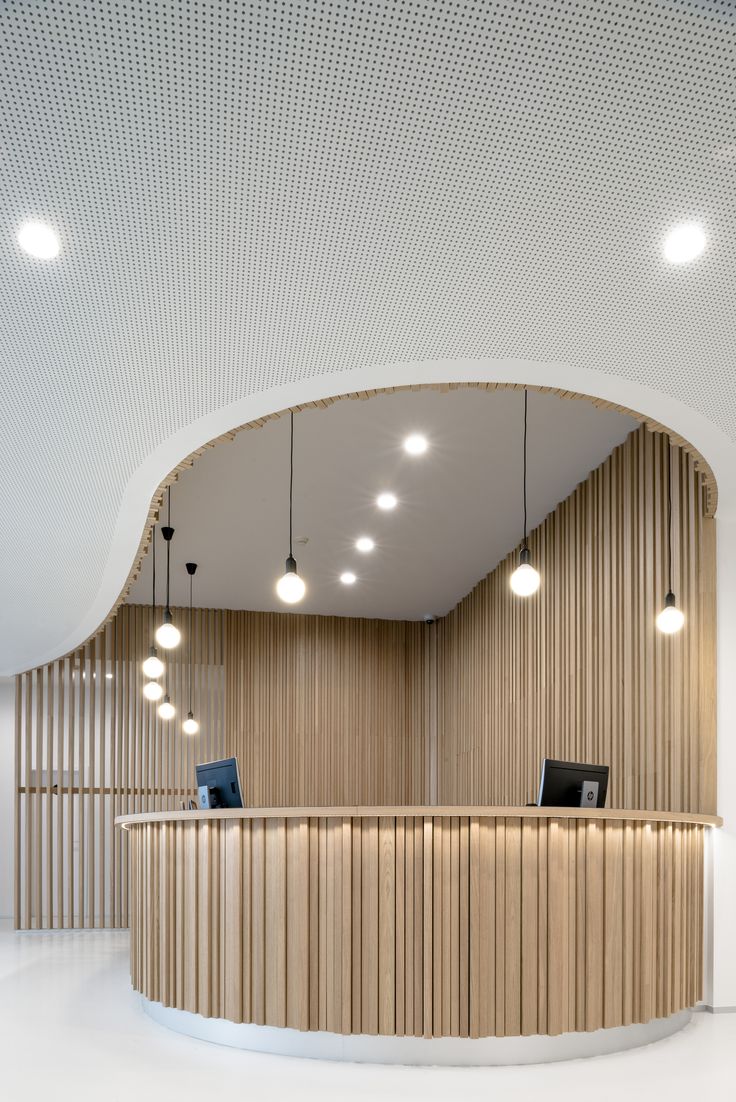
<point>579,671</point>
<point>325,710</point>
<point>441,926</point>
<point>318,710</point>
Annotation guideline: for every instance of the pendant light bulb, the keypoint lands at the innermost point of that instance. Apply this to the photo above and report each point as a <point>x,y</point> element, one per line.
<point>190,725</point>
<point>290,587</point>
<point>166,709</point>
<point>525,579</point>
<point>153,667</point>
<point>671,618</point>
<point>168,635</point>
<point>152,690</point>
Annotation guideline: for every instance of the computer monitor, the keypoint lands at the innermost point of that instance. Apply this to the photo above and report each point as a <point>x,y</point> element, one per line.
<point>572,784</point>
<point>218,784</point>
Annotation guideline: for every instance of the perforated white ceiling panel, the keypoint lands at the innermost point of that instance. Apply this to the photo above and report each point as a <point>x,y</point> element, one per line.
<point>250,195</point>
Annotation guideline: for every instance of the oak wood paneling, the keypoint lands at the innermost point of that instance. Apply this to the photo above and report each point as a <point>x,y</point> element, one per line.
<point>579,671</point>
<point>326,710</point>
<point>525,924</point>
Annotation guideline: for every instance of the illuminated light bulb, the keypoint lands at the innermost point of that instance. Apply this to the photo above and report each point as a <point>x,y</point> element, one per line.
<point>348,578</point>
<point>39,240</point>
<point>671,618</point>
<point>190,725</point>
<point>166,709</point>
<point>387,501</point>
<point>152,690</point>
<point>525,580</point>
<point>153,667</point>
<point>416,444</point>
<point>684,243</point>
<point>290,587</point>
<point>364,544</point>
<point>168,635</point>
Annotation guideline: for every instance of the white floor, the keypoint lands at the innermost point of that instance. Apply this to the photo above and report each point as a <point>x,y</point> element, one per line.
<point>72,1028</point>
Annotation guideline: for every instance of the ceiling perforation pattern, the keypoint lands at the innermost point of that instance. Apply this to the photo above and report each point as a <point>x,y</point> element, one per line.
<point>250,195</point>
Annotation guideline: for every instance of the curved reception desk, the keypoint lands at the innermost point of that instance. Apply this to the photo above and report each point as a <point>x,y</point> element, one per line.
<point>418,922</point>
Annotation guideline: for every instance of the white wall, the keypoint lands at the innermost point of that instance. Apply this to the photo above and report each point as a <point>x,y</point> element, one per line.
<point>721,985</point>
<point>7,793</point>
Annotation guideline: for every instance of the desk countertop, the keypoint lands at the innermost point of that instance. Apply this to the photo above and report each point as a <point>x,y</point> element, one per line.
<point>424,811</point>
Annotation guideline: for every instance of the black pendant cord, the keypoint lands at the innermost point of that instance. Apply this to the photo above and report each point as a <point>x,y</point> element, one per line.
<point>153,586</point>
<point>168,551</point>
<point>291,484</point>
<point>190,644</point>
<point>669,516</point>
<point>526,405</point>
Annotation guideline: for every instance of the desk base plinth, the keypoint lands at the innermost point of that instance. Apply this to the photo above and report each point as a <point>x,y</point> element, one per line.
<point>418,1051</point>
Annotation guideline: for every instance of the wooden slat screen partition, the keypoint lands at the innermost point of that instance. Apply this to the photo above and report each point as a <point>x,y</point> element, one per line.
<point>90,747</point>
<point>317,710</point>
<point>579,671</point>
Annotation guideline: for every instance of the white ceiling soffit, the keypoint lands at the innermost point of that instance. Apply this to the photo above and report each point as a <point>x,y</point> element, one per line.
<point>459,506</point>
<point>257,198</point>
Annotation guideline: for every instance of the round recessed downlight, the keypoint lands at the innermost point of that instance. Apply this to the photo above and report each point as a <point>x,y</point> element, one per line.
<point>684,243</point>
<point>416,444</point>
<point>387,501</point>
<point>364,544</point>
<point>348,578</point>
<point>39,240</point>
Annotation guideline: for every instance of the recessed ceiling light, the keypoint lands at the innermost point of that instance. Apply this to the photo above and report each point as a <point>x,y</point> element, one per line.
<point>39,240</point>
<point>387,501</point>
<point>364,544</point>
<point>416,444</point>
<point>684,243</point>
<point>348,578</point>
<point>108,676</point>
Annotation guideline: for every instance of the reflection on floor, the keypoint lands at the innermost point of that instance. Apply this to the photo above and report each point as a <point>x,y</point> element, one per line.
<point>72,1028</point>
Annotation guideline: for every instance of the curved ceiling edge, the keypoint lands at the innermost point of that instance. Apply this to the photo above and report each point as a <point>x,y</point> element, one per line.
<point>141,500</point>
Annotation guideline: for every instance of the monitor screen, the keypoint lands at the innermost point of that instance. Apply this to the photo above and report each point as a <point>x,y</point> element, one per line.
<point>218,784</point>
<point>572,784</point>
